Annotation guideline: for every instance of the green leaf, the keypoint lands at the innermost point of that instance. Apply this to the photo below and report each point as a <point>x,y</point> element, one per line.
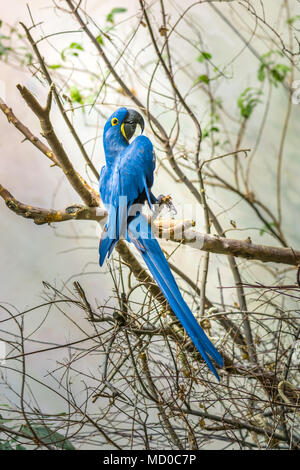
<point>211,126</point>
<point>276,73</point>
<point>248,100</point>
<point>75,94</point>
<point>279,73</point>
<point>48,436</point>
<point>261,73</point>
<point>293,19</point>
<point>203,78</point>
<point>75,45</point>
<point>29,58</point>
<point>265,228</point>
<point>270,53</point>
<point>54,66</point>
<point>71,50</point>
<point>204,56</point>
<point>111,16</point>
<point>4,50</point>
<point>99,39</point>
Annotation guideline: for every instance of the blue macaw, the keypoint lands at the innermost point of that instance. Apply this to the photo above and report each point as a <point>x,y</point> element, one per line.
<point>126,181</point>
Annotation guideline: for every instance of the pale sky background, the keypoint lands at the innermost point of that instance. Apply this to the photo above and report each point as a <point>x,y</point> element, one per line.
<point>30,254</point>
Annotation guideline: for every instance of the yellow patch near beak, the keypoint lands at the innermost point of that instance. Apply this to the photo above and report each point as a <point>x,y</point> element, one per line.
<point>123,131</point>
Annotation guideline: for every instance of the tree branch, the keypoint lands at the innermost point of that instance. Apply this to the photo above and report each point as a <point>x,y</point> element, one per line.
<point>179,231</point>
<point>43,113</point>
<point>42,216</point>
<point>90,196</point>
<point>58,101</point>
<point>233,247</point>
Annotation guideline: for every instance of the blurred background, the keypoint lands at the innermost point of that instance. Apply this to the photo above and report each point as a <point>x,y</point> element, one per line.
<point>61,253</point>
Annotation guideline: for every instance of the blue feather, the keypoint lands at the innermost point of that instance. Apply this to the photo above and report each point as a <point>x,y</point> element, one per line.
<point>160,270</point>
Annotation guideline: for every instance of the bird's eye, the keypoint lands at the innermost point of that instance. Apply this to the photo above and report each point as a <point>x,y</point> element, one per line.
<point>114,121</point>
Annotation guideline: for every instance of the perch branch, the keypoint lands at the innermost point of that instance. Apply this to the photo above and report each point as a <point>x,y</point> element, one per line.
<point>175,230</point>
<point>236,248</point>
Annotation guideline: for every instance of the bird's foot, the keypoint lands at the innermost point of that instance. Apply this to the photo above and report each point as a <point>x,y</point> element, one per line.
<point>164,201</point>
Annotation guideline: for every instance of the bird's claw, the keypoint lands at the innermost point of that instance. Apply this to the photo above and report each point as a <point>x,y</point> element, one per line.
<point>165,201</point>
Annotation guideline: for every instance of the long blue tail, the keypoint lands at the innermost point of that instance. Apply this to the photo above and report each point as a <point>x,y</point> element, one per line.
<point>160,270</point>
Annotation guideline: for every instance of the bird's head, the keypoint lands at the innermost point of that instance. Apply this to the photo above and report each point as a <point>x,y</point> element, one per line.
<point>121,126</point>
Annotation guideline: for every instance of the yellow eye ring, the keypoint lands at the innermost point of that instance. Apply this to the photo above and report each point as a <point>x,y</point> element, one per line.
<point>114,121</point>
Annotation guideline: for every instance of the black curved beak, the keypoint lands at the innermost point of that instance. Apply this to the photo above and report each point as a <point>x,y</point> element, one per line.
<point>130,122</point>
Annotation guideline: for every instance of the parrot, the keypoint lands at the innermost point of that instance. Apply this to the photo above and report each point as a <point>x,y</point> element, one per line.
<point>125,186</point>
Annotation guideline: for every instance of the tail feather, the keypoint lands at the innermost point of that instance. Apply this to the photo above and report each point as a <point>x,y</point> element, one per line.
<point>160,270</point>
<point>115,228</point>
<point>106,245</point>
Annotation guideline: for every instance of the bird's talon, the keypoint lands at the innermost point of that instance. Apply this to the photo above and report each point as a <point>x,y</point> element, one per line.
<point>166,201</point>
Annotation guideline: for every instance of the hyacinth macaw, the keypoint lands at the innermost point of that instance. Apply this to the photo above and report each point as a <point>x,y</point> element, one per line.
<point>125,183</point>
